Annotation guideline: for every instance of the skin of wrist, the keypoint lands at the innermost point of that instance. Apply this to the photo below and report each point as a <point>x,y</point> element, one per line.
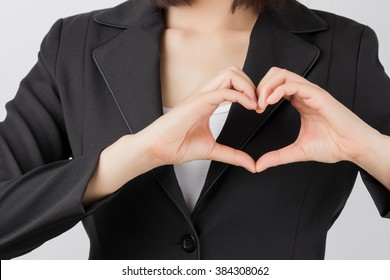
<point>376,157</point>
<point>141,149</point>
<point>371,141</point>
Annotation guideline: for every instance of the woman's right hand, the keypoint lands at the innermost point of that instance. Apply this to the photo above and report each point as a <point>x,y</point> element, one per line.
<point>184,134</point>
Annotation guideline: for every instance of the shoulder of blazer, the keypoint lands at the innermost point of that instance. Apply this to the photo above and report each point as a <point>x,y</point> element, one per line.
<point>340,23</point>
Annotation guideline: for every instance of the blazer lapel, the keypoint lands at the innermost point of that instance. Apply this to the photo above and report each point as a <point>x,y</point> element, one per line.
<point>271,44</point>
<point>130,66</point>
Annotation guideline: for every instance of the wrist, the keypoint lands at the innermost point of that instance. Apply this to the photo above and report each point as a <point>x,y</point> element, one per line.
<point>125,159</point>
<point>375,159</point>
<point>140,149</point>
<point>370,148</point>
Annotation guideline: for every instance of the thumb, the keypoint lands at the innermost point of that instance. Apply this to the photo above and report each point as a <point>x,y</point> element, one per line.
<point>232,156</point>
<point>289,154</point>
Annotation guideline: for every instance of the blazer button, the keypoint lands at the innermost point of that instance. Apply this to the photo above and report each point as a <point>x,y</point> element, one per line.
<point>188,243</point>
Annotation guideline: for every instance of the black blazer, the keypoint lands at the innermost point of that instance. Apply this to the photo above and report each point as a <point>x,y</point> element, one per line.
<point>98,78</point>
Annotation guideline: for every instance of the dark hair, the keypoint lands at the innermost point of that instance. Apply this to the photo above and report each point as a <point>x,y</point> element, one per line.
<point>258,5</point>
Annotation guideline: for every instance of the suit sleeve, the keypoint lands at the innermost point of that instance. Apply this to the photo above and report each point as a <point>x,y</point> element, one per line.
<point>372,104</point>
<point>40,185</point>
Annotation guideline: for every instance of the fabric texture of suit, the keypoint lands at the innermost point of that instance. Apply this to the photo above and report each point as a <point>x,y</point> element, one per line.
<point>98,78</point>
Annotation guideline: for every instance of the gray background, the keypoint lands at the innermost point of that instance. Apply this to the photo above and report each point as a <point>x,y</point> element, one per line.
<point>359,233</point>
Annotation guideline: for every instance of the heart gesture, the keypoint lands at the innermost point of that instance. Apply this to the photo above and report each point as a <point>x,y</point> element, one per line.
<point>329,131</point>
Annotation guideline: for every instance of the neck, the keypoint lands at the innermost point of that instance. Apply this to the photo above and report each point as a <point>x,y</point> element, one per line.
<point>205,16</point>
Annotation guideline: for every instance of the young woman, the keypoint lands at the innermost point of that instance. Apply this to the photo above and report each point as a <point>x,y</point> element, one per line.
<point>116,125</point>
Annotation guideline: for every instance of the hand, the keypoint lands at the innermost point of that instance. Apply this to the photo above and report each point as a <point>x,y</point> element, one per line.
<point>183,134</point>
<point>329,132</point>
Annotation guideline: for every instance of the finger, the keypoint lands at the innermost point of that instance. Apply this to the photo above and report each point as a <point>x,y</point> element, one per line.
<point>232,156</point>
<point>243,74</point>
<point>274,78</point>
<point>198,102</point>
<point>278,76</point>
<point>289,89</point>
<point>238,71</point>
<point>289,154</point>
<point>271,72</point>
<point>232,78</point>
<point>261,98</point>
<point>218,96</point>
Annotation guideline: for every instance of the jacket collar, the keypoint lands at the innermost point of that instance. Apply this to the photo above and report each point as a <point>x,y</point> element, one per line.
<point>130,65</point>
<point>298,19</point>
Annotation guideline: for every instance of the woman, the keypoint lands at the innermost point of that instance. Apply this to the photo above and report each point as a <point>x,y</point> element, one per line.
<point>128,93</point>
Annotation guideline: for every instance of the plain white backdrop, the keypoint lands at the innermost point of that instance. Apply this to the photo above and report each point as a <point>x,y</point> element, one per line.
<point>359,233</point>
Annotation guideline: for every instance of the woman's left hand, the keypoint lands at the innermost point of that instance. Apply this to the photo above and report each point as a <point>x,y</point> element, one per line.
<point>329,132</point>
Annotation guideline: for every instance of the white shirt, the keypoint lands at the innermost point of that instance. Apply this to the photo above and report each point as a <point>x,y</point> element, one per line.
<point>192,175</point>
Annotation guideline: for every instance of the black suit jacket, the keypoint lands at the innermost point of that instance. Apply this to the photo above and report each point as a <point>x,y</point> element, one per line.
<point>98,78</point>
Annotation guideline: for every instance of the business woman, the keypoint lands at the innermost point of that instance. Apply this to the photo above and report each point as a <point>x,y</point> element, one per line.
<point>136,95</point>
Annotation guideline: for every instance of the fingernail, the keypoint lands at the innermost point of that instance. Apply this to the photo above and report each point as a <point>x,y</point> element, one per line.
<point>262,100</point>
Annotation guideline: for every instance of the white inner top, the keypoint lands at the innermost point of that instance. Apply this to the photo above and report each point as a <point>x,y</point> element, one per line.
<point>192,175</point>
